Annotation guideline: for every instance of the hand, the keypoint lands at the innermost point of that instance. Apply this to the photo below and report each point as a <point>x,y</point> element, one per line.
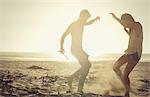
<point>126,29</point>
<point>97,18</point>
<point>113,15</point>
<point>126,51</point>
<point>62,51</point>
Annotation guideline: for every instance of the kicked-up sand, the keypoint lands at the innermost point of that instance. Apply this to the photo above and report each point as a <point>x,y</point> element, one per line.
<point>49,78</point>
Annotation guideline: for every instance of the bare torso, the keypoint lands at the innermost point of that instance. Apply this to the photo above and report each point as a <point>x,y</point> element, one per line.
<point>76,30</point>
<point>135,40</point>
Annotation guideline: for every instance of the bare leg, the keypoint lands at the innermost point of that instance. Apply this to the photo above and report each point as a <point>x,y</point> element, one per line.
<point>116,67</point>
<point>127,71</point>
<point>73,76</point>
<point>81,72</point>
<point>83,78</point>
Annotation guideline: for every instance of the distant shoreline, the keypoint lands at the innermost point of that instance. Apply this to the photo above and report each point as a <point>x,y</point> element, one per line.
<point>39,56</point>
<point>61,60</point>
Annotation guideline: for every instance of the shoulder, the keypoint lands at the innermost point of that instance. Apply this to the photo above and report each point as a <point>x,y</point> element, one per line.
<point>73,24</point>
<point>138,28</point>
<point>138,25</point>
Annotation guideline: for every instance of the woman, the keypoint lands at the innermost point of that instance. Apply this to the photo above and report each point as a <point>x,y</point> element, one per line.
<point>133,53</point>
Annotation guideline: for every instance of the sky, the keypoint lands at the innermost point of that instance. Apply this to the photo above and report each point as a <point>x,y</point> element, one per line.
<point>37,25</point>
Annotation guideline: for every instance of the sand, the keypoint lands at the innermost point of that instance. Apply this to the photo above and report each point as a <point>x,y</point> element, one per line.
<point>48,78</point>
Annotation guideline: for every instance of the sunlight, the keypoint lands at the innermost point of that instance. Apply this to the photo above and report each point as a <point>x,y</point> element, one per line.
<point>34,63</point>
<point>39,27</point>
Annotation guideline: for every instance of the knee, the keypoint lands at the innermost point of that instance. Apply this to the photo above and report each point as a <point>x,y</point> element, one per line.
<point>126,75</point>
<point>86,67</point>
<point>126,79</point>
<point>89,65</point>
<point>115,68</point>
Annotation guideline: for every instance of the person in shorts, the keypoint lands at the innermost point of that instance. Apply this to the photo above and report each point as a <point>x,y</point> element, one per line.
<point>134,51</point>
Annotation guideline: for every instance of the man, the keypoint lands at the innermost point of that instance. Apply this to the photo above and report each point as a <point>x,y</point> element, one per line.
<point>133,53</point>
<point>76,30</point>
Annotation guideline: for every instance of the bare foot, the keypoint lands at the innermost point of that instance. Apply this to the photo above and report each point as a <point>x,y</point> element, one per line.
<point>80,92</point>
<point>126,95</point>
<point>70,83</point>
<point>106,92</point>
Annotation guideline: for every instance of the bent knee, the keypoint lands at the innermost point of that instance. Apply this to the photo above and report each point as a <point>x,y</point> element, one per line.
<point>126,74</point>
<point>115,68</point>
<point>87,66</point>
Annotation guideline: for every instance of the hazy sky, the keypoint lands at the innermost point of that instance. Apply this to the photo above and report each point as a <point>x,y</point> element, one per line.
<point>37,25</point>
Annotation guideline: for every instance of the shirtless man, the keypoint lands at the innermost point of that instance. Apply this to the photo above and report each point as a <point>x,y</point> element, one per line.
<point>76,30</point>
<point>134,51</point>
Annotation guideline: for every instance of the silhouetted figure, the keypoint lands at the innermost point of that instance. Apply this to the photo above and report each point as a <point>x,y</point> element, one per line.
<point>134,51</point>
<point>76,30</point>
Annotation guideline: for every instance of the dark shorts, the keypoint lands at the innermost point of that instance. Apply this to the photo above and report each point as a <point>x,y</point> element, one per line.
<point>133,57</point>
<point>128,58</point>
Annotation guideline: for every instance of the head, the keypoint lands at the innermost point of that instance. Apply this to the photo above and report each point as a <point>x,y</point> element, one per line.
<point>127,17</point>
<point>84,14</point>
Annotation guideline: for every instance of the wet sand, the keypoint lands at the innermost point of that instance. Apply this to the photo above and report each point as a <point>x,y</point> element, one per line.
<point>48,78</point>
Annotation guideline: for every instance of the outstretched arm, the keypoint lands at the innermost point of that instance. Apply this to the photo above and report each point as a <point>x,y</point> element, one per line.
<point>126,24</point>
<point>116,18</point>
<point>92,21</point>
<point>62,51</point>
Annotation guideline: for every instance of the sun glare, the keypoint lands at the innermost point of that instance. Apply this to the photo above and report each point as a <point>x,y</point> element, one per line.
<point>98,39</point>
<point>39,27</point>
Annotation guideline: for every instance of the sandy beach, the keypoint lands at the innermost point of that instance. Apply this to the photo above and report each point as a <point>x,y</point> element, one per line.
<point>49,78</point>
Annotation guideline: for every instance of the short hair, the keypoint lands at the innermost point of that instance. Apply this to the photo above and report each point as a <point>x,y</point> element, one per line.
<point>85,13</point>
<point>127,17</point>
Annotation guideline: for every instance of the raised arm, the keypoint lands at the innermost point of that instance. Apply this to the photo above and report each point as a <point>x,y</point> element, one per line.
<point>116,18</point>
<point>92,21</point>
<point>62,40</point>
<point>126,24</point>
